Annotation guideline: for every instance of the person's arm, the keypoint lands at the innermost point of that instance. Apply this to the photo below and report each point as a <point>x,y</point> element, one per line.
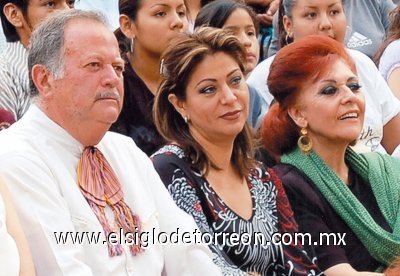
<point>15,230</point>
<point>258,80</point>
<point>391,134</point>
<point>257,108</point>
<point>267,18</point>
<point>348,270</point>
<point>381,96</point>
<point>43,212</point>
<point>394,81</point>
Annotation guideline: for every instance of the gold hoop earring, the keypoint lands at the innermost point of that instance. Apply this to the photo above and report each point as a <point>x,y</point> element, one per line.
<point>304,143</point>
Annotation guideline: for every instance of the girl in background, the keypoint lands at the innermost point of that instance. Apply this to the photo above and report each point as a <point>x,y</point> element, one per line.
<point>146,28</point>
<point>242,22</point>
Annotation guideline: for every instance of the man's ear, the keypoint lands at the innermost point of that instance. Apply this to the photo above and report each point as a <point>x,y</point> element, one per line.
<point>14,15</point>
<point>179,106</point>
<point>127,26</point>
<point>288,25</point>
<point>298,116</point>
<point>42,78</point>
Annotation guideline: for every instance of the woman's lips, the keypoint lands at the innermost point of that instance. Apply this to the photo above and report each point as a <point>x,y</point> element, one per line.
<point>232,115</point>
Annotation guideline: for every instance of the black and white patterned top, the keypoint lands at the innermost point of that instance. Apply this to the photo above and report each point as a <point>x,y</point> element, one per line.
<point>271,213</point>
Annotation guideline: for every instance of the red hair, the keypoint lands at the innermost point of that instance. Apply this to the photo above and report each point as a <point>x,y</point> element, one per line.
<point>295,66</point>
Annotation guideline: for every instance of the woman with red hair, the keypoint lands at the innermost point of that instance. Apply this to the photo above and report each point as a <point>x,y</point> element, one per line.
<point>318,115</point>
<point>300,18</point>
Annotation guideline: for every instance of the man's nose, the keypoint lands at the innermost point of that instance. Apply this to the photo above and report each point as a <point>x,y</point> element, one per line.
<point>110,77</point>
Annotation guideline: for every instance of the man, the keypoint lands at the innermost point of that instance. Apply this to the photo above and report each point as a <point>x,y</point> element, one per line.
<point>53,161</point>
<point>18,19</point>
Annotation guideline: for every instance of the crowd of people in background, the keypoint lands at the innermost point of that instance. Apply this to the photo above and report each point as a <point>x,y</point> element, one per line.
<point>217,117</point>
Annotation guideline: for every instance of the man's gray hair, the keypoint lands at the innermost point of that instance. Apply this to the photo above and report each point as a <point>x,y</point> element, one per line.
<point>47,42</point>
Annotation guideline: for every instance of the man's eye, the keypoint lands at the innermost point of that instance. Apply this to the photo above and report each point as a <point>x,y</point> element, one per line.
<point>94,66</point>
<point>119,69</point>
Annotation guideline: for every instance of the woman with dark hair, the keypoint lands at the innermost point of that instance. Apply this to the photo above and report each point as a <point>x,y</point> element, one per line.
<point>201,110</point>
<point>318,115</point>
<point>300,18</point>
<point>387,57</point>
<point>238,18</point>
<point>241,20</point>
<point>146,27</point>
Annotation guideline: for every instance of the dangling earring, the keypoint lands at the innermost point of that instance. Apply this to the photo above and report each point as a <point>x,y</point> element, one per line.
<point>162,67</point>
<point>186,119</point>
<point>132,42</point>
<point>287,38</point>
<point>304,143</point>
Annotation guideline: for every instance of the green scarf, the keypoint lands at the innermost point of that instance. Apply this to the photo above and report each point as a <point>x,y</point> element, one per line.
<point>383,173</point>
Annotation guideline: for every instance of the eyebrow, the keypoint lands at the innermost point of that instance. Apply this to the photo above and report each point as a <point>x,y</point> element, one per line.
<point>203,80</point>
<point>166,5</point>
<point>119,61</point>
<point>331,5</point>
<point>349,79</point>
<point>236,27</point>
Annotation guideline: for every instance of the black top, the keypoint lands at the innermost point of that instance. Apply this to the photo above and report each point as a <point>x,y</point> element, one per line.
<point>315,215</point>
<point>136,118</point>
<point>271,213</point>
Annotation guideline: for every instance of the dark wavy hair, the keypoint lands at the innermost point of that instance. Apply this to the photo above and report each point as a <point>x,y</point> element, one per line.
<point>180,59</point>
<point>392,35</point>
